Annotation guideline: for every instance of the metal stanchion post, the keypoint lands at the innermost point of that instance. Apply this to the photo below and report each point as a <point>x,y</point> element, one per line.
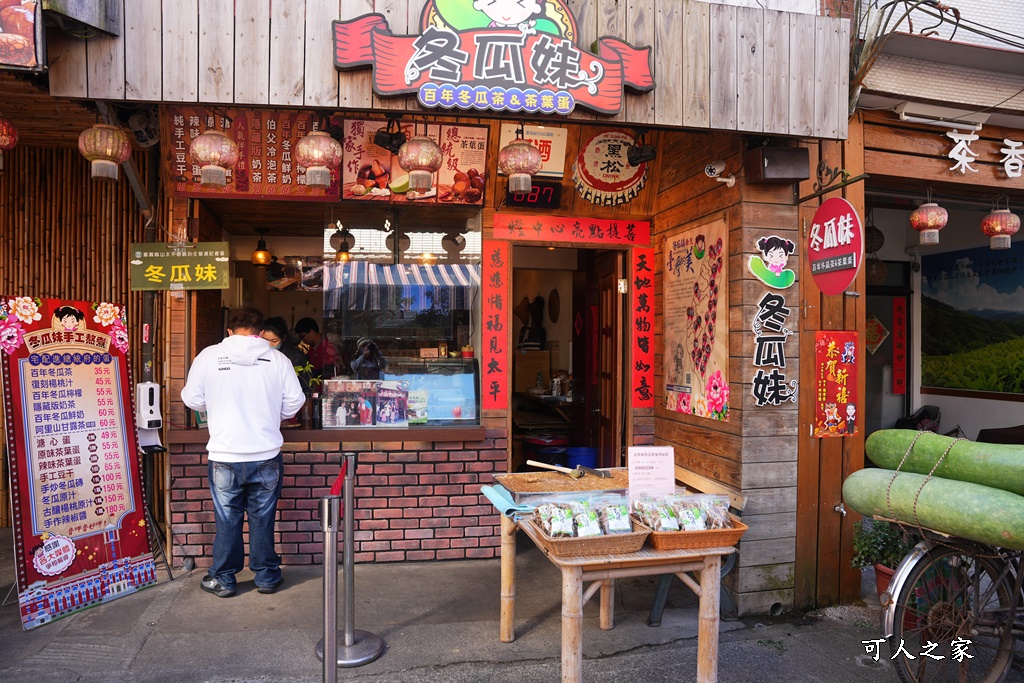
<point>330,506</point>
<point>354,647</point>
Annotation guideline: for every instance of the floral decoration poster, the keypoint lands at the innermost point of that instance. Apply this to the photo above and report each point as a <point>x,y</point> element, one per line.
<point>696,346</point>
<point>835,403</point>
<point>76,483</point>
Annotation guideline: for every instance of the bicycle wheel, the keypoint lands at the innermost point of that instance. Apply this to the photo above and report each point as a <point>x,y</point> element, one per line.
<point>956,601</point>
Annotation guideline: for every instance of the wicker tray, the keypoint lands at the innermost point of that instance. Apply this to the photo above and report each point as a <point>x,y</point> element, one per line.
<point>711,538</point>
<point>608,544</point>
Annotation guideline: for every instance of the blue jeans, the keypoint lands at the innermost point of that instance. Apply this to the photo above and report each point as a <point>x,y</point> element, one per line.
<point>252,488</point>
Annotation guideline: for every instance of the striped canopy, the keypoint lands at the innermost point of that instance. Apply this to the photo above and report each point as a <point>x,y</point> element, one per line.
<point>361,286</point>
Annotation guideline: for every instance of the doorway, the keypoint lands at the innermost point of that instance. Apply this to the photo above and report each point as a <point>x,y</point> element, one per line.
<point>567,367</point>
<point>887,338</point>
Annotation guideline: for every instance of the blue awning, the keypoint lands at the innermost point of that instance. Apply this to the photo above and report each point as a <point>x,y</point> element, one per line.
<point>361,286</point>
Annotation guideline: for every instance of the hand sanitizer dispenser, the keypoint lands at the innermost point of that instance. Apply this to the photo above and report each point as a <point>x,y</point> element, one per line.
<point>147,405</point>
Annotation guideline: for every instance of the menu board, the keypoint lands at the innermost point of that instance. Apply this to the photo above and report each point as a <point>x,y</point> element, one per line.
<point>76,484</point>
<point>370,172</point>
<point>266,140</point>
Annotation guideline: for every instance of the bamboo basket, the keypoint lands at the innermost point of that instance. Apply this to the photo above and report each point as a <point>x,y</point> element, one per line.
<point>709,538</point>
<point>606,544</point>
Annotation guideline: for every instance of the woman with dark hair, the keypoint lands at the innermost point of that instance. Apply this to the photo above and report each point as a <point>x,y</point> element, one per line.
<point>68,317</point>
<point>275,331</point>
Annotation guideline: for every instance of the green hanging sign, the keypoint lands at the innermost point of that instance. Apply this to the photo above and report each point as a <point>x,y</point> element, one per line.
<point>193,265</point>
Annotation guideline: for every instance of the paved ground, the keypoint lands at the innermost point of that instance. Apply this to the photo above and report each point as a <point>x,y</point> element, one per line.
<point>440,623</point>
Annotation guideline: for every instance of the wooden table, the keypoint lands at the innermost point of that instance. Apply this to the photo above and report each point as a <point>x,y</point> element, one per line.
<point>602,570</point>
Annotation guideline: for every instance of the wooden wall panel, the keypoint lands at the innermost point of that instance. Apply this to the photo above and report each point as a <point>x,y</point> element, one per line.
<point>142,31</point>
<point>252,52</point>
<point>216,51</point>
<point>321,78</point>
<point>287,52</point>
<point>180,55</point>
<point>715,66</point>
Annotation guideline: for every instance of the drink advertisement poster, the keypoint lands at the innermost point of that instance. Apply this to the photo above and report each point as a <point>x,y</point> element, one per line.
<point>835,401</point>
<point>76,483</point>
<point>696,342</point>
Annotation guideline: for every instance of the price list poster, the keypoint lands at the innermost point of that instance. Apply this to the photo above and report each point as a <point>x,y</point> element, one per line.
<point>79,517</point>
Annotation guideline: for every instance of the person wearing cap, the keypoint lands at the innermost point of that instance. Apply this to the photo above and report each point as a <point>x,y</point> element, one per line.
<point>369,362</point>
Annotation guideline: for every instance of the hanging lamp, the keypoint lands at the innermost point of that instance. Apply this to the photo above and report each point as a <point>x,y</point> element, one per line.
<point>421,157</point>
<point>928,219</point>
<point>106,148</point>
<point>319,153</point>
<point>214,153</point>
<point>342,242</point>
<point>519,160</point>
<point>1000,226</point>
<point>261,257</point>
<point>8,139</point>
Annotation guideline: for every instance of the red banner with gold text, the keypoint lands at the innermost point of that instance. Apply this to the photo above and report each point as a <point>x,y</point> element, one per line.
<point>642,302</point>
<point>494,355</point>
<point>835,403</point>
<point>525,228</point>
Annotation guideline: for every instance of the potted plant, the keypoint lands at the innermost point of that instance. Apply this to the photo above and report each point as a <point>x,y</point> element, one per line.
<point>879,544</point>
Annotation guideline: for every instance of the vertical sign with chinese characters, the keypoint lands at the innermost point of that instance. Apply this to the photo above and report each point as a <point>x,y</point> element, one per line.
<point>494,355</point>
<point>696,346</point>
<point>899,345</point>
<point>80,526</point>
<point>770,387</point>
<point>643,328</point>
<point>835,400</point>
<point>198,265</point>
<point>266,140</point>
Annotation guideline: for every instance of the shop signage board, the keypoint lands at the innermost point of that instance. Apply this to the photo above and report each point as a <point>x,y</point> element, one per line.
<point>652,471</point>
<point>963,157</point>
<point>770,385</point>
<point>266,140</point>
<point>836,359</point>
<point>22,37</point>
<point>526,228</point>
<point>835,246</point>
<point>642,302</point>
<point>494,372</point>
<point>80,526</point>
<point>499,56</point>
<point>549,140</point>
<point>602,174</point>
<point>195,265</point>
<point>696,278</point>
<point>372,173</point>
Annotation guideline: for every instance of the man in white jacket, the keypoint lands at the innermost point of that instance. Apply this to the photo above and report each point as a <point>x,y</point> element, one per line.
<point>246,389</point>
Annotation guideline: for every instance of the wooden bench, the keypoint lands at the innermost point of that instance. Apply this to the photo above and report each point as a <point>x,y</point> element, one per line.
<point>701,484</point>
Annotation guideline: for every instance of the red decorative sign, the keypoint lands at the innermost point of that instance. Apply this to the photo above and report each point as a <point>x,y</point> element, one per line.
<point>520,228</point>
<point>835,246</point>
<point>899,345</point>
<point>602,174</point>
<point>266,139</point>
<point>500,55</point>
<point>835,400</point>
<point>643,327</point>
<point>494,354</point>
<point>76,484</point>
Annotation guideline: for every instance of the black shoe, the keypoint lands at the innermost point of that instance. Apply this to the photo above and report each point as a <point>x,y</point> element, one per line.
<point>272,588</point>
<point>212,585</point>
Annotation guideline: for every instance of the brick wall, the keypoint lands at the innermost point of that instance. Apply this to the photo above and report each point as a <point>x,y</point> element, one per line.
<point>414,501</point>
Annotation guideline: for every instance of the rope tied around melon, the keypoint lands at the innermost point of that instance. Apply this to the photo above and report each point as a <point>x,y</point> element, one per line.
<point>917,521</point>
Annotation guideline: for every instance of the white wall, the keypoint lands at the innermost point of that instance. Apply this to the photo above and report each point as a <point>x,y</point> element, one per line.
<point>801,6</point>
<point>961,232</point>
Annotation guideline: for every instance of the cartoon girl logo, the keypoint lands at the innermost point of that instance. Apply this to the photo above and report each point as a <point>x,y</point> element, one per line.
<point>68,319</point>
<point>698,247</point>
<point>770,266</point>
<point>526,16</point>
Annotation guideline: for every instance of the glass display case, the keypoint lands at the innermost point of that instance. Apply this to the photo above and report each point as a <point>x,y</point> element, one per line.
<point>441,391</point>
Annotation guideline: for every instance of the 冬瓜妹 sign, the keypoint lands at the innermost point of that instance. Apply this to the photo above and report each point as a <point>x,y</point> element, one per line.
<point>501,55</point>
<point>835,246</point>
<point>195,265</point>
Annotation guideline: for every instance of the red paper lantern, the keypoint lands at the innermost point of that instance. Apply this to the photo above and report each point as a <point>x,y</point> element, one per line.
<point>421,157</point>
<point>1000,225</point>
<point>8,139</point>
<point>318,152</point>
<point>106,148</point>
<point>928,219</point>
<point>214,153</point>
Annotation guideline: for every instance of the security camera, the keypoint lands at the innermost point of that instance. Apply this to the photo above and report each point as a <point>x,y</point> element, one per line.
<point>714,169</point>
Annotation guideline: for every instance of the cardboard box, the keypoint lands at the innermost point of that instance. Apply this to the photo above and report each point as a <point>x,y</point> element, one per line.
<point>526,365</point>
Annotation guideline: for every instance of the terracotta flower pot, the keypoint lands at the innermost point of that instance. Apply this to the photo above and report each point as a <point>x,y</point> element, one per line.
<point>883,575</point>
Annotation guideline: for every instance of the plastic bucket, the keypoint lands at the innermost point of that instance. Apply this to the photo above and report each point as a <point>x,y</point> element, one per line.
<point>582,456</point>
